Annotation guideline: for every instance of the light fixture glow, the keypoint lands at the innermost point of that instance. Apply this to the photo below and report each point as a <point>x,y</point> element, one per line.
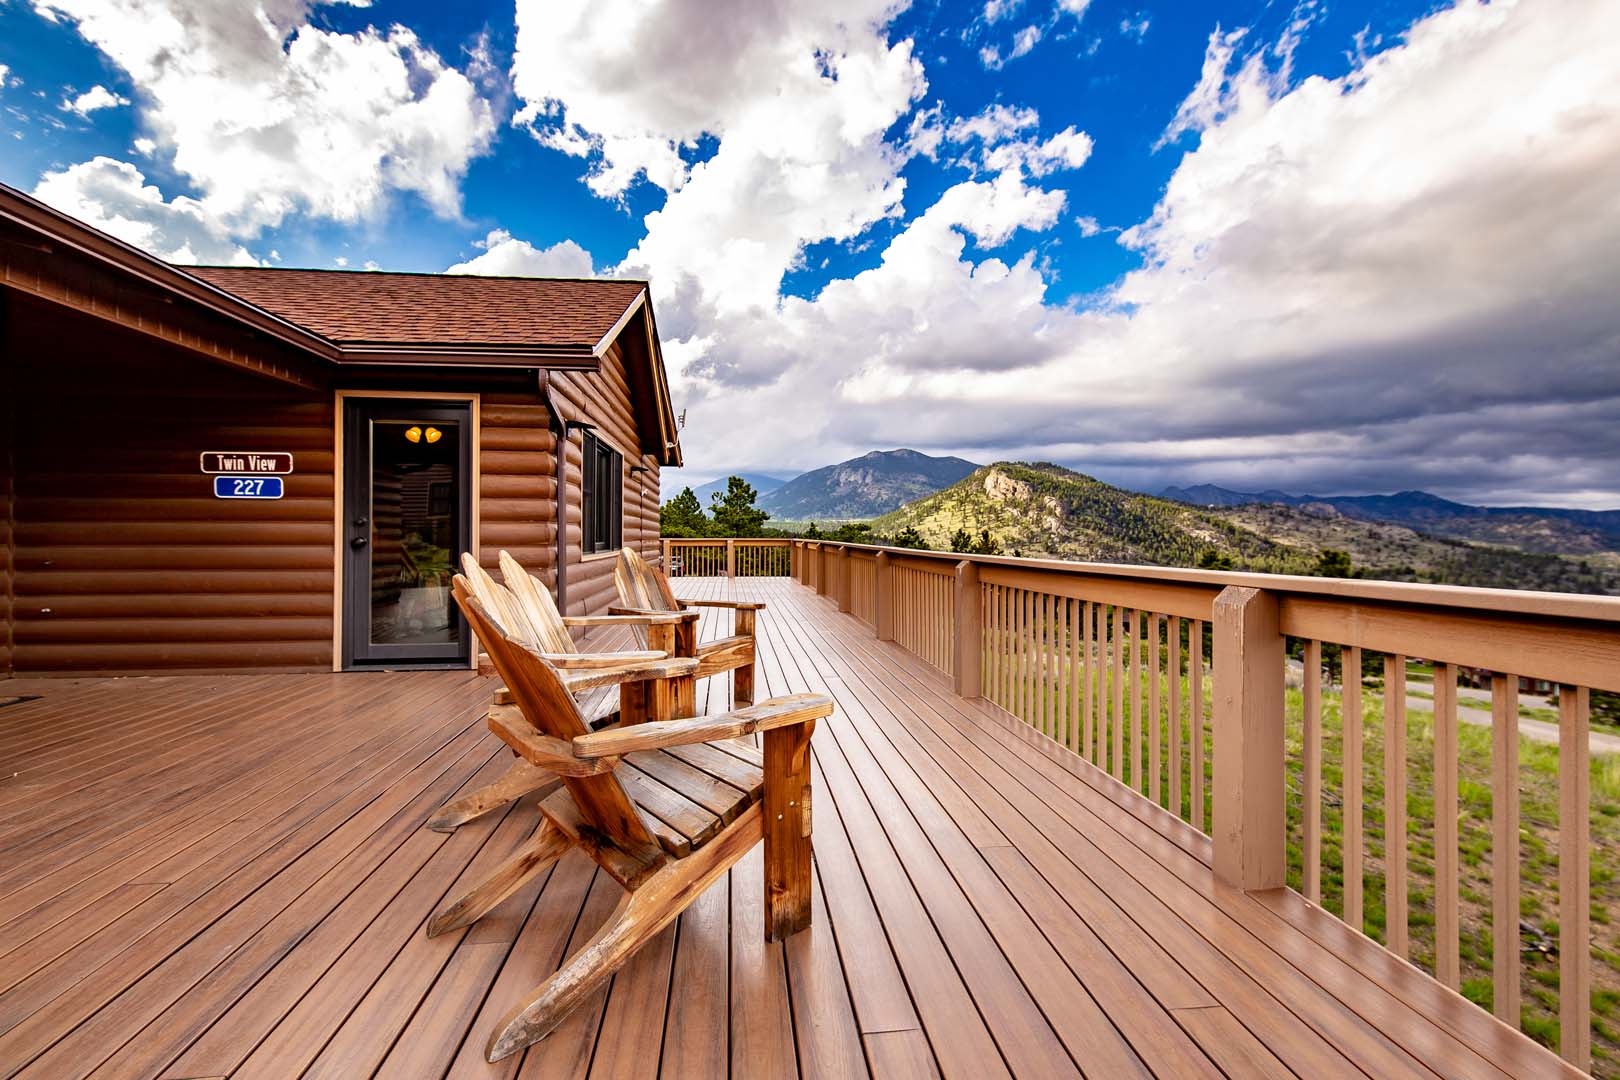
<point>434,434</point>
<point>414,434</point>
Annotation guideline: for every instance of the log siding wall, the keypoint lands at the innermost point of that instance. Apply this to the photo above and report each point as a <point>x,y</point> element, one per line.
<point>120,559</point>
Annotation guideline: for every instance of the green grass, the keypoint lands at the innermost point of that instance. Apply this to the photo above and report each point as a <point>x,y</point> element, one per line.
<point>1538,841</point>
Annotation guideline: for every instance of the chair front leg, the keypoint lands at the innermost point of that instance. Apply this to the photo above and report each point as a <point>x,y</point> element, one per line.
<point>742,680</point>
<point>787,830</point>
<point>541,850</point>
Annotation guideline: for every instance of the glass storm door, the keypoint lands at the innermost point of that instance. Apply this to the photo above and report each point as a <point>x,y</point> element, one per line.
<point>407,519</point>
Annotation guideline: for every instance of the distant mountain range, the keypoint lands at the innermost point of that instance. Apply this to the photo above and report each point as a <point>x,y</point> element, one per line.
<point>1541,529</point>
<point>760,482</point>
<point>1045,510</point>
<point>863,487</point>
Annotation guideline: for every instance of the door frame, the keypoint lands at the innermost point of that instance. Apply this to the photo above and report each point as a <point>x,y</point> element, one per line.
<point>340,400</point>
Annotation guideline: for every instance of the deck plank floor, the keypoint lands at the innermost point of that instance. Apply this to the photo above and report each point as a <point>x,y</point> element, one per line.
<point>228,876</point>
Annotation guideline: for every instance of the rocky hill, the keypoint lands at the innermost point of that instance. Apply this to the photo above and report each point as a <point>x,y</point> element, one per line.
<point>1043,509</point>
<point>863,487</point>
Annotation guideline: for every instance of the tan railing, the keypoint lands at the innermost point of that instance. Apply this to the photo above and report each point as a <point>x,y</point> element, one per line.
<point>727,558</point>
<point>1180,684</point>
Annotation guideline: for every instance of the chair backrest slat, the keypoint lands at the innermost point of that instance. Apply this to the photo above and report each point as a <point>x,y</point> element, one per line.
<point>545,702</point>
<point>499,604</point>
<point>538,606</point>
<point>641,585</point>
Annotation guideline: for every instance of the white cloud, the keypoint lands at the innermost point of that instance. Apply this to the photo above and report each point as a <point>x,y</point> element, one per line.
<point>995,129</point>
<point>5,77</point>
<point>1089,226</point>
<point>113,196</point>
<point>1077,8</point>
<point>1403,276</point>
<point>993,124</point>
<point>1135,26</point>
<point>996,10</point>
<point>507,256</point>
<point>797,99</point>
<point>267,114</point>
<point>1023,41</point>
<point>97,97</point>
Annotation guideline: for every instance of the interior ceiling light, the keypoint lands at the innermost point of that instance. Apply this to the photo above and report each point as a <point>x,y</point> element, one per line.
<point>414,434</point>
<point>433,434</point>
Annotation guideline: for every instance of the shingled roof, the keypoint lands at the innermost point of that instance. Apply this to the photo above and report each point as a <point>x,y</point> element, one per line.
<point>353,307</point>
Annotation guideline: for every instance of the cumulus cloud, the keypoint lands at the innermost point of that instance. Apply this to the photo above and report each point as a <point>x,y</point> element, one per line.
<point>267,114</point>
<point>506,256</point>
<point>1025,40</point>
<point>1400,277</point>
<point>97,97</point>
<point>113,196</point>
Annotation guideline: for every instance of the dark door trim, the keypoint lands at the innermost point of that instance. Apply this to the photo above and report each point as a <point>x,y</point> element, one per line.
<point>355,650</point>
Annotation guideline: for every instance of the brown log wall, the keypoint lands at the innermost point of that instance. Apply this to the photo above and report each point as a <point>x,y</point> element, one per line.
<point>121,560</point>
<point>124,560</point>
<point>604,399</point>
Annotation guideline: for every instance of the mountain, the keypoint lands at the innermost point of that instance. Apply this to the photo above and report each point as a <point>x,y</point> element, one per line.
<point>761,482</point>
<point>1540,529</point>
<point>862,487</point>
<point>1046,510</point>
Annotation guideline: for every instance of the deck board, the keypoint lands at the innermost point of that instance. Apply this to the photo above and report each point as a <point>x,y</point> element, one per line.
<point>227,876</point>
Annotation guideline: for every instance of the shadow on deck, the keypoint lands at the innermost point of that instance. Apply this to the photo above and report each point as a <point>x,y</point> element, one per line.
<point>227,876</point>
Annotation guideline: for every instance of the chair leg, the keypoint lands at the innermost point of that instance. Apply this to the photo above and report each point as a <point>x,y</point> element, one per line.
<point>521,779</point>
<point>742,686</point>
<point>638,918</point>
<point>542,849</point>
<point>787,830</point>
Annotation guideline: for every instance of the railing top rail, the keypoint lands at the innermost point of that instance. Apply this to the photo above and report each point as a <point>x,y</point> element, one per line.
<point>1496,601</point>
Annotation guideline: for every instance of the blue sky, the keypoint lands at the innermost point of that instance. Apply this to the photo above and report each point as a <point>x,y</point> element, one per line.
<point>1310,246</point>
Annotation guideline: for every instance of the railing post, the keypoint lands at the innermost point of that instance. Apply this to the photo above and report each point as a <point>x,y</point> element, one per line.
<point>1249,813</point>
<point>844,603</point>
<point>885,597</point>
<point>731,558</point>
<point>666,547</point>
<point>793,560</point>
<point>969,641</point>
<point>823,579</point>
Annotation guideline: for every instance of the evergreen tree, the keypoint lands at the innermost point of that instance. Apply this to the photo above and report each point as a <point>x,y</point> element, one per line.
<point>734,511</point>
<point>986,544</point>
<point>812,533</point>
<point>1333,563</point>
<point>683,516</point>
<point>909,537</point>
<point>961,541</point>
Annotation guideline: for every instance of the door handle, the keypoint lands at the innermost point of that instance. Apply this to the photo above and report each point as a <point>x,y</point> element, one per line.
<point>361,522</point>
<point>358,542</point>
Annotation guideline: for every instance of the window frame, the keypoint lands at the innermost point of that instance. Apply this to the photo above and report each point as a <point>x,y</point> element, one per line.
<point>601,496</point>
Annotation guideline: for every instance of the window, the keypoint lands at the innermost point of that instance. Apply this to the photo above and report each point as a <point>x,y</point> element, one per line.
<point>604,495</point>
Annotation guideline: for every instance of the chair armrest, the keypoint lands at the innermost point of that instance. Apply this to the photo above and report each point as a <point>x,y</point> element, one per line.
<point>657,618</point>
<point>649,618</point>
<point>668,668</point>
<point>573,661</point>
<point>739,605</point>
<point>775,713</point>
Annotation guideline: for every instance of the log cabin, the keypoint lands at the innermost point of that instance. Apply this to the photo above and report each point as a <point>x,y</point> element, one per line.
<point>220,469</point>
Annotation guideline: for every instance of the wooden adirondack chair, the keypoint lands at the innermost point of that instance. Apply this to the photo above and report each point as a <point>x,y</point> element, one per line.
<point>525,610</point>
<point>665,807</point>
<point>644,590</point>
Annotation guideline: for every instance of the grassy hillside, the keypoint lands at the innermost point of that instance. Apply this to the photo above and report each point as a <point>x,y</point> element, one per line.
<point>1045,510</point>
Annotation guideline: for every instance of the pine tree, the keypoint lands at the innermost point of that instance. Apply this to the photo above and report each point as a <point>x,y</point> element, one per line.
<point>734,511</point>
<point>683,516</point>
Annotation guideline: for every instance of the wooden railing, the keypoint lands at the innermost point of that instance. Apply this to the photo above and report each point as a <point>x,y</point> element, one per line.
<point>1205,692</point>
<point>727,558</point>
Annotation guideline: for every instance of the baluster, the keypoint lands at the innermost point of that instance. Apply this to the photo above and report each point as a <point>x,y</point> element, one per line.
<point>1446,942</point>
<point>1311,781</point>
<point>1117,668</point>
<point>1395,852</point>
<point>1195,719</point>
<point>1155,623</point>
<point>1350,710</point>
<point>1088,728</point>
<point>1574,877</point>
<point>1505,847</point>
<point>1133,761</point>
<point>1175,714</point>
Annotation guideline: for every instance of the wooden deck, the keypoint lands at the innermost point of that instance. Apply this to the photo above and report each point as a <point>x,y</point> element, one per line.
<point>208,877</point>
